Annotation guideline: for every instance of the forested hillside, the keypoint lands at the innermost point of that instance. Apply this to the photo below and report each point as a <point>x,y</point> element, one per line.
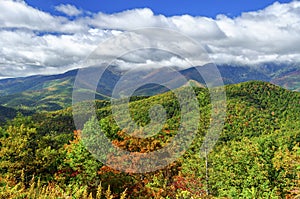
<point>256,156</point>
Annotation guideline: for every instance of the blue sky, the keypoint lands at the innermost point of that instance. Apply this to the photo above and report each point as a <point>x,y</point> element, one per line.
<point>53,36</point>
<point>209,8</point>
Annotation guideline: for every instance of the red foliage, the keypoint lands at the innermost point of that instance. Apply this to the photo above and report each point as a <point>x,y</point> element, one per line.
<point>192,185</point>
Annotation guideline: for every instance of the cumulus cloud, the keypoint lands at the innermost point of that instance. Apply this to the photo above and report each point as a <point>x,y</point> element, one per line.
<point>68,9</point>
<point>265,35</point>
<point>19,15</point>
<point>33,41</point>
<point>200,27</point>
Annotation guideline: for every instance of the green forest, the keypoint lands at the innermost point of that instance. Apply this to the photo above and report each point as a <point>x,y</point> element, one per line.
<point>256,156</point>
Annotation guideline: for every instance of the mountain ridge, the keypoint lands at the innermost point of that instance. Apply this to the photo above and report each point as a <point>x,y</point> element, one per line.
<point>54,92</point>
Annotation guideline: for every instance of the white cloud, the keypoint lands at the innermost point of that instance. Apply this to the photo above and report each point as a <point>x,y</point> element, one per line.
<point>68,9</point>
<point>142,18</point>
<point>127,20</point>
<point>33,41</point>
<point>268,34</point>
<point>19,15</point>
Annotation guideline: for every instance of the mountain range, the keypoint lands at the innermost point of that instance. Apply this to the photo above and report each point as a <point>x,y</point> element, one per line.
<point>54,92</point>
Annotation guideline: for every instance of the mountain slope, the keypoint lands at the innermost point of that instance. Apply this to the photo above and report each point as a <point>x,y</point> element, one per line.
<point>253,108</point>
<point>289,80</point>
<point>32,83</point>
<point>44,93</point>
<point>10,113</point>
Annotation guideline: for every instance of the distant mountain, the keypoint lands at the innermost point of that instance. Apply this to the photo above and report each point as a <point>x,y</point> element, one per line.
<point>54,92</point>
<point>49,92</point>
<point>33,83</point>
<point>38,92</point>
<point>284,75</point>
<point>230,74</point>
<point>290,80</point>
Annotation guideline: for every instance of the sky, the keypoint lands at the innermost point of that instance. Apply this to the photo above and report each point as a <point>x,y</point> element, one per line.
<point>207,8</point>
<point>53,36</point>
